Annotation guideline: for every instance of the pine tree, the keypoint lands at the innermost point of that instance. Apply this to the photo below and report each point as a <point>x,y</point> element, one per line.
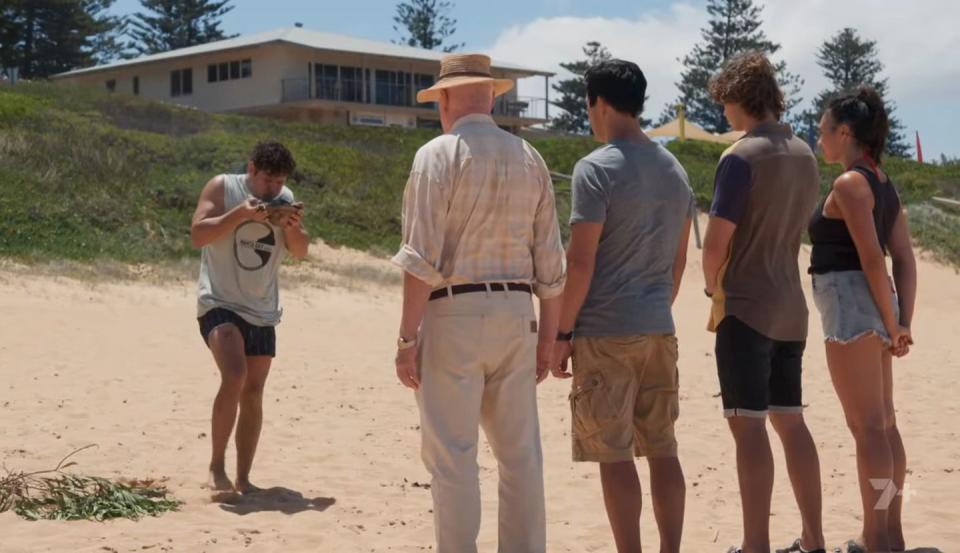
<point>573,92</point>
<point>171,24</point>
<point>850,61</point>
<point>734,27</point>
<point>9,34</point>
<point>426,24</point>
<point>45,37</point>
<point>108,43</point>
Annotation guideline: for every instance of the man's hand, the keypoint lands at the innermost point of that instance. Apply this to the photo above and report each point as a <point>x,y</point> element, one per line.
<point>252,210</point>
<point>407,372</point>
<point>561,355</point>
<point>293,220</point>
<point>544,358</point>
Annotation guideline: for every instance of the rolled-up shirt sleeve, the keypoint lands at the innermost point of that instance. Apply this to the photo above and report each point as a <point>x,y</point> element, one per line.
<point>549,261</point>
<point>424,215</point>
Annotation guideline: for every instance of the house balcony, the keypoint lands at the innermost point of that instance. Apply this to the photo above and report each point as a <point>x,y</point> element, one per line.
<point>354,96</point>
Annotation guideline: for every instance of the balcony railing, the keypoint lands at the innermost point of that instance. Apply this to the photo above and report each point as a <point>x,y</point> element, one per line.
<point>343,90</point>
<point>388,94</point>
<point>526,107</point>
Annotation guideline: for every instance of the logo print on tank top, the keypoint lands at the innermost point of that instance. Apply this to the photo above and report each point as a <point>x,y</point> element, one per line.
<point>253,245</point>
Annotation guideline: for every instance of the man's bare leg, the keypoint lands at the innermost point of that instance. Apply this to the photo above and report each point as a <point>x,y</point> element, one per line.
<point>624,501</point>
<point>669,496</point>
<point>226,344</point>
<point>755,474</point>
<point>251,419</point>
<point>803,466</point>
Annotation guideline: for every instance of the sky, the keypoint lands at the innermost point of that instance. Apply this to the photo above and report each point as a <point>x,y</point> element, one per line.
<point>917,41</point>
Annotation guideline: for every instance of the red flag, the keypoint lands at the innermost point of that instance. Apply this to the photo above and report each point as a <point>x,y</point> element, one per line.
<point>919,149</point>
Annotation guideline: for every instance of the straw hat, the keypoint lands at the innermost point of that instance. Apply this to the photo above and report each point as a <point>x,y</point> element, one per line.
<point>463,69</point>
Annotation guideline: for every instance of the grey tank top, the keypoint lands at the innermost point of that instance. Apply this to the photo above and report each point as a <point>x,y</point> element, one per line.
<point>239,271</point>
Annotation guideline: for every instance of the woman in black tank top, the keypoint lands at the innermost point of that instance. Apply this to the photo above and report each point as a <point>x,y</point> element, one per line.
<point>866,319</point>
<point>834,248</point>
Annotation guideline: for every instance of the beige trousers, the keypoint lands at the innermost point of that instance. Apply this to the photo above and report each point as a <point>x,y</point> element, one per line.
<point>478,368</point>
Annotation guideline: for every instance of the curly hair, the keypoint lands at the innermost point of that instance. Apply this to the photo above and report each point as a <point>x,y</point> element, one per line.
<point>273,158</point>
<point>750,80</point>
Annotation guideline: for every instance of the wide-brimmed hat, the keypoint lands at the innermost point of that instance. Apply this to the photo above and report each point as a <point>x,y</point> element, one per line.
<point>463,69</point>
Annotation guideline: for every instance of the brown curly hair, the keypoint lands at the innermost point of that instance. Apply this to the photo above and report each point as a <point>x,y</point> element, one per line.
<point>273,158</point>
<point>749,79</point>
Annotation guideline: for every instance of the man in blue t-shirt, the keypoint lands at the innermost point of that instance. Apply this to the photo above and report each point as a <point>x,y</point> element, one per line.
<point>631,216</point>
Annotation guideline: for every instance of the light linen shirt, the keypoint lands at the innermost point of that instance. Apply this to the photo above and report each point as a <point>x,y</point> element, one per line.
<point>479,207</point>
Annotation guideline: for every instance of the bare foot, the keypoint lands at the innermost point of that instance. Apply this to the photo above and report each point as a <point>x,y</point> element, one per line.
<point>245,487</point>
<point>220,482</point>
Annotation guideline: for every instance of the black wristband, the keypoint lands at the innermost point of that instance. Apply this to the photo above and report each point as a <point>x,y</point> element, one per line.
<point>564,336</point>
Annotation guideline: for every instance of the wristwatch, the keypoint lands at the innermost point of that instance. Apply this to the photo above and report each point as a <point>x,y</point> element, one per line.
<point>404,343</point>
<point>564,336</point>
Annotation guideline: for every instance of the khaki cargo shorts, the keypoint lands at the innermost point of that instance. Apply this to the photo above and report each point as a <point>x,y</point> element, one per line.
<point>625,398</point>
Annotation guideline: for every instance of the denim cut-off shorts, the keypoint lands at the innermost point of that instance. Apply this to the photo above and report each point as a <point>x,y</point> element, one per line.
<point>847,308</point>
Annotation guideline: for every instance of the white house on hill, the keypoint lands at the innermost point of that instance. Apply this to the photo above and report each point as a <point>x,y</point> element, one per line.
<point>302,75</point>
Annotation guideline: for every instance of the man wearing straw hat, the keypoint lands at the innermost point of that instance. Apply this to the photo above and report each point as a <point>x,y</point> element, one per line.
<point>480,235</point>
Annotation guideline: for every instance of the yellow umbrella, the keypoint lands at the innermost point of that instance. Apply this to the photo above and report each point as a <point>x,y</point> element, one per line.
<point>689,129</point>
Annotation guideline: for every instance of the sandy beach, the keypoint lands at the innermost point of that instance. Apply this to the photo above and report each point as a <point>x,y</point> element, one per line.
<point>122,365</point>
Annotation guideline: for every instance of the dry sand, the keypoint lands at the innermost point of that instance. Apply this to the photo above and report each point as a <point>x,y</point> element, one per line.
<point>122,366</point>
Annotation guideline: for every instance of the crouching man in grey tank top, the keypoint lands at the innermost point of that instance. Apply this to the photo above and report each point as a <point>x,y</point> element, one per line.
<point>244,236</point>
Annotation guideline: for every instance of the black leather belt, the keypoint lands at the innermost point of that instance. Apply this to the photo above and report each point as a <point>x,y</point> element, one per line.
<point>493,287</point>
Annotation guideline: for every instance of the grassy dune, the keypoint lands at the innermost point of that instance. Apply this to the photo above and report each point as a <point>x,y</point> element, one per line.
<point>89,176</point>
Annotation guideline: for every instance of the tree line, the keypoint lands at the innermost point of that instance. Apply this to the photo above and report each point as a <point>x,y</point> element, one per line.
<point>847,59</point>
<point>45,37</point>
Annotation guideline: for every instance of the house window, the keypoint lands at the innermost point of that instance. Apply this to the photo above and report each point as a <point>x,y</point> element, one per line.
<point>230,70</point>
<point>112,85</point>
<point>393,88</point>
<point>136,85</point>
<point>341,83</point>
<point>326,77</point>
<point>351,84</point>
<point>423,81</point>
<point>181,82</point>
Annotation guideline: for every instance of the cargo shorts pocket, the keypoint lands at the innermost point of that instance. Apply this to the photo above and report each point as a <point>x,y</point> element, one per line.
<point>596,407</point>
<point>585,398</point>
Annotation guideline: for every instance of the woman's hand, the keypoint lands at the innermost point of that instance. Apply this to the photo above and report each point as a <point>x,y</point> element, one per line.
<point>901,340</point>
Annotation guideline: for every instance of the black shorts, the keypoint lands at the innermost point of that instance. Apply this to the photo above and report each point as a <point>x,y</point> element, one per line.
<point>757,374</point>
<point>257,340</point>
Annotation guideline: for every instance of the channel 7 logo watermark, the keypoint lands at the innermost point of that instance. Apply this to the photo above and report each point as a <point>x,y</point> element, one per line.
<point>890,491</point>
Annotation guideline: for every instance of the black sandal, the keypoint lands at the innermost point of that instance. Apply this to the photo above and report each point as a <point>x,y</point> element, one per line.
<point>796,548</point>
<point>851,547</point>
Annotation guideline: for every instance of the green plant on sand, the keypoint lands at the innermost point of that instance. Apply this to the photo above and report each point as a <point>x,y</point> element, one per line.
<point>56,495</point>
